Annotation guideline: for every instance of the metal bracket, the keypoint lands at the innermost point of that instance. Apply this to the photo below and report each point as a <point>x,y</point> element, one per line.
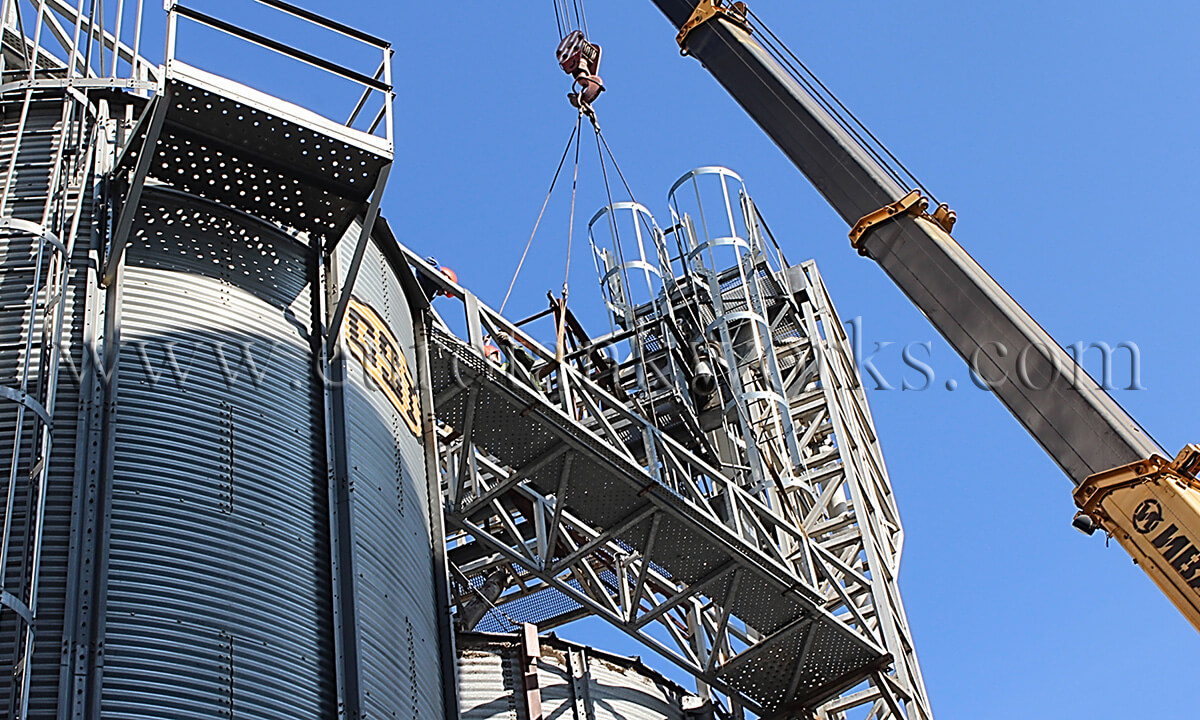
<point>944,217</point>
<point>1092,492</point>
<point>707,10</point>
<point>133,198</point>
<point>914,204</point>
<point>16,226</point>
<point>23,398</point>
<point>15,604</point>
<point>578,671</point>
<point>364,236</point>
<point>531,653</point>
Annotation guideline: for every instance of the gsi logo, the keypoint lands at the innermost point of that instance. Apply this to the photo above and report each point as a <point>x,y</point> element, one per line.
<point>1147,516</point>
<point>376,347</point>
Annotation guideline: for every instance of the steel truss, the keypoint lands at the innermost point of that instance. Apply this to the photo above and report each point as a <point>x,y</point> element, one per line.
<point>849,508</point>
<point>547,480</point>
<point>810,445</point>
<point>818,514</point>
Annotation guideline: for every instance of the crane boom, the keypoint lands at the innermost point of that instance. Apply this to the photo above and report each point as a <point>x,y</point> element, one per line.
<point>1083,429</point>
<point>1124,481</point>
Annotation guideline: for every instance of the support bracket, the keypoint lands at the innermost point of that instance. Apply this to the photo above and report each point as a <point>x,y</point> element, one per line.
<point>705,11</point>
<point>133,197</point>
<point>364,236</point>
<point>21,397</point>
<point>915,204</point>
<point>15,604</point>
<point>531,653</point>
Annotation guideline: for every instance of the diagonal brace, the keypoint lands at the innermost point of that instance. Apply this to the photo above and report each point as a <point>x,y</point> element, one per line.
<point>364,235</point>
<point>133,198</point>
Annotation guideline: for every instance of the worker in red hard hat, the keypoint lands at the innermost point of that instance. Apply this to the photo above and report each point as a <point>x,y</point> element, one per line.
<point>451,276</point>
<point>581,60</point>
<point>430,286</point>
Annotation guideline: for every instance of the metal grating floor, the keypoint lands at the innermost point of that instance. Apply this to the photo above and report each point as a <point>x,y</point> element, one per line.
<point>805,654</point>
<point>243,149</point>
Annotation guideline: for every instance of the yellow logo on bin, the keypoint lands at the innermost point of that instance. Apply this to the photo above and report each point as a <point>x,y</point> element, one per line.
<point>372,342</point>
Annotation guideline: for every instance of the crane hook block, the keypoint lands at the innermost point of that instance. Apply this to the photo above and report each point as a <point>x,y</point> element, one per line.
<point>707,10</point>
<point>581,60</point>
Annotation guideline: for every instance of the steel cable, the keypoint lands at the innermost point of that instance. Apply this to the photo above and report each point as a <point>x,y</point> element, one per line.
<point>838,110</point>
<point>529,244</point>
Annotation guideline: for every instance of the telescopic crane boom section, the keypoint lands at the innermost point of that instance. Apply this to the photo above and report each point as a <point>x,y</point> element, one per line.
<point>1124,482</point>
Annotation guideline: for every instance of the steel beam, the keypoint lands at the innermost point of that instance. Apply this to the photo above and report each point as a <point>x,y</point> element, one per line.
<point>133,197</point>
<point>360,249</point>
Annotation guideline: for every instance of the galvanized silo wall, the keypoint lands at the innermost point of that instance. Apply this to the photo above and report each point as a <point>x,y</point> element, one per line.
<point>389,498</point>
<point>218,582</point>
<point>17,321</point>
<point>573,683</point>
<point>222,558</point>
<point>193,548</point>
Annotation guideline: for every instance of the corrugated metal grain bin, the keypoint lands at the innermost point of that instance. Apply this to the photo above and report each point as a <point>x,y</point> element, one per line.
<point>24,270</point>
<point>229,529</point>
<point>573,682</point>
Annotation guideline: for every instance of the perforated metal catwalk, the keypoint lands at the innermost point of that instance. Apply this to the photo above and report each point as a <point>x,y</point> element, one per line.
<point>804,653</point>
<point>723,498</point>
<point>544,479</point>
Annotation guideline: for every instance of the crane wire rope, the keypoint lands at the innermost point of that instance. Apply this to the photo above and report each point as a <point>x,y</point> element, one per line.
<point>831,104</point>
<point>581,16</point>
<point>838,110</point>
<point>560,331</point>
<point>562,16</point>
<point>571,222</point>
<point>558,20</point>
<point>529,244</point>
<point>650,411</point>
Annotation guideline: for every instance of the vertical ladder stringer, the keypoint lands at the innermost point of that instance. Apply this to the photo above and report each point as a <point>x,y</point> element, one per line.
<point>52,229</point>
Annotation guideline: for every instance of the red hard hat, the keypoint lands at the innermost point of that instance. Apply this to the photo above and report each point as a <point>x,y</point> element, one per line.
<point>451,275</point>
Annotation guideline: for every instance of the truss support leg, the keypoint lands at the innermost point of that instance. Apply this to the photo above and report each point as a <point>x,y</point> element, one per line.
<point>360,249</point>
<point>133,198</point>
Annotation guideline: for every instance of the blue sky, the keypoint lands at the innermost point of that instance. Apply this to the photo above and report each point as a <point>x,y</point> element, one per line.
<point>1064,136</point>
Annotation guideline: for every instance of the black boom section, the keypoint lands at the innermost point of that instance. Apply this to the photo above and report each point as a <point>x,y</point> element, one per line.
<point>1082,428</point>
